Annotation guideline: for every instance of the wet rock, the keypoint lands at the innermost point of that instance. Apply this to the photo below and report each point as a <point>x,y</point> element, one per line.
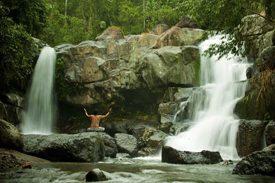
<point>135,126</point>
<point>110,145</point>
<point>166,111</point>
<point>96,175</point>
<point>250,136</point>
<point>269,148</point>
<point>160,28</point>
<point>165,127</point>
<point>126,143</point>
<point>259,162</point>
<point>179,127</point>
<point>150,141</point>
<point>270,133</point>
<point>82,147</point>
<point>171,155</point>
<point>10,136</point>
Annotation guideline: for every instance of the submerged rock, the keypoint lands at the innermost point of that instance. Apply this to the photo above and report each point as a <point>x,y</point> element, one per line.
<point>171,155</point>
<point>83,147</point>
<point>260,162</point>
<point>10,136</point>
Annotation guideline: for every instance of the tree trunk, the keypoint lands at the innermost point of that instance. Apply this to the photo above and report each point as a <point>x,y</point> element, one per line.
<point>144,15</point>
<point>66,10</point>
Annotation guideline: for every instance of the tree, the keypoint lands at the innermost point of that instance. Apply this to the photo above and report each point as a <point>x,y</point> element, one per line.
<point>19,20</point>
<point>223,16</point>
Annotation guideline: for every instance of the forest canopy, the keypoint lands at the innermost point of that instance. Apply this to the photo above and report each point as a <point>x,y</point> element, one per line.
<point>73,21</point>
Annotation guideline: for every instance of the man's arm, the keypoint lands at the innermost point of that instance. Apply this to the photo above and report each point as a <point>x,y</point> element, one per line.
<point>87,113</point>
<point>101,117</point>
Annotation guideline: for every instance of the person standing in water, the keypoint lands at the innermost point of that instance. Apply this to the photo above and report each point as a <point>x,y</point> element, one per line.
<point>95,120</point>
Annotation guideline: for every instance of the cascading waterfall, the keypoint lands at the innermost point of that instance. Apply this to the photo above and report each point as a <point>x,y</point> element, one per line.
<point>39,116</point>
<point>215,128</point>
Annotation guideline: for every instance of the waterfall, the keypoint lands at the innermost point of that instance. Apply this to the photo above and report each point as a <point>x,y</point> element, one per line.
<point>215,128</point>
<point>39,116</point>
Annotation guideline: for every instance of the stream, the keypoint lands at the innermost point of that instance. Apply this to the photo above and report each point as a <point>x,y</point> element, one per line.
<point>130,170</point>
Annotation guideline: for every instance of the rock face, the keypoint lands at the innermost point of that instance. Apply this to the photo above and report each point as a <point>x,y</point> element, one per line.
<point>250,136</point>
<point>127,71</point>
<point>259,162</point>
<point>83,147</point>
<point>171,155</point>
<point>10,136</point>
<point>10,107</point>
<point>160,28</point>
<point>126,143</point>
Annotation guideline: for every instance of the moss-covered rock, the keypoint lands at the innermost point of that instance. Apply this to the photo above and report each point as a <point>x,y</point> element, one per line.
<point>10,136</point>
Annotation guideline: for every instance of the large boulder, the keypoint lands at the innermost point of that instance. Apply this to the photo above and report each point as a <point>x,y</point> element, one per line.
<point>171,155</point>
<point>10,136</point>
<point>178,37</point>
<point>126,143</point>
<point>110,145</point>
<point>259,162</point>
<point>150,141</point>
<point>111,33</point>
<point>97,175</point>
<point>82,147</point>
<point>250,136</point>
<point>172,65</point>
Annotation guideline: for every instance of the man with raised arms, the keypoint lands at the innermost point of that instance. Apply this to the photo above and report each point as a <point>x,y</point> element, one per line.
<point>95,120</point>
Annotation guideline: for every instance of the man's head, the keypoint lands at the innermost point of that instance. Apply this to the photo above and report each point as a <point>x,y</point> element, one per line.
<point>95,112</point>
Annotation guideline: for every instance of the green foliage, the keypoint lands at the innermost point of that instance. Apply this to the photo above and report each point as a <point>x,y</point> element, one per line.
<point>223,16</point>
<point>19,19</point>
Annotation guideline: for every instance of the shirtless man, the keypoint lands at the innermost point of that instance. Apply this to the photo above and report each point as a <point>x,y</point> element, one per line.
<point>95,120</point>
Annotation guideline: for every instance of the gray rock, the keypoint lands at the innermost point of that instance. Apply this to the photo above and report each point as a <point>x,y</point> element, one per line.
<point>97,175</point>
<point>110,145</point>
<point>150,141</point>
<point>82,147</point>
<point>10,136</point>
<point>116,127</point>
<point>259,162</point>
<point>250,136</point>
<point>126,143</point>
<point>171,155</point>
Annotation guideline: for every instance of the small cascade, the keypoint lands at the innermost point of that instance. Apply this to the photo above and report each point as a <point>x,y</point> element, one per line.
<point>39,116</point>
<point>215,128</point>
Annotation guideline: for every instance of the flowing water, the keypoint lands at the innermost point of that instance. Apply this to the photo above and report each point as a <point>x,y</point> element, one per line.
<point>132,171</point>
<point>38,116</point>
<point>215,127</point>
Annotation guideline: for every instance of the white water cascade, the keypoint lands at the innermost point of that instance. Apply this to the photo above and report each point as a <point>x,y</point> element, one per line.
<point>215,128</point>
<point>38,116</point>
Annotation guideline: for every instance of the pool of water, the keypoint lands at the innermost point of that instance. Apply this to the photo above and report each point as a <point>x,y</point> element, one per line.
<point>131,170</point>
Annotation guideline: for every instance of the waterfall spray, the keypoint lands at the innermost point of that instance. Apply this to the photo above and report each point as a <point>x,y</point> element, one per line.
<point>39,116</point>
<point>215,128</point>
